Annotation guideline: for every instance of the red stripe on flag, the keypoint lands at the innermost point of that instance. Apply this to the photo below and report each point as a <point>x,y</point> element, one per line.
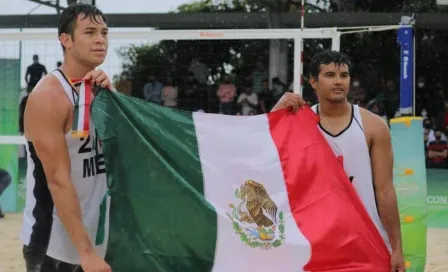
<point>88,99</point>
<point>325,206</point>
<point>75,81</point>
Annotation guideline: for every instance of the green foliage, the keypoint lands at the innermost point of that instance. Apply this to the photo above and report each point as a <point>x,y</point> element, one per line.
<point>208,6</point>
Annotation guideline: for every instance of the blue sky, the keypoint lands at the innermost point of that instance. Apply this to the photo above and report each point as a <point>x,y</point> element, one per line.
<point>50,51</point>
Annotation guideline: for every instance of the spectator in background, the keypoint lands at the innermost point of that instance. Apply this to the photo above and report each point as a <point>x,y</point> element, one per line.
<point>424,114</point>
<point>226,96</point>
<point>152,91</point>
<point>437,151</point>
<point>248,100</point>
<point>266,98</point>
<point>34,73</point>
<point>188,98</point>
<point>428,124</point>
<point>170,94</point>
<point>278,88</point>
<point>5,180</point>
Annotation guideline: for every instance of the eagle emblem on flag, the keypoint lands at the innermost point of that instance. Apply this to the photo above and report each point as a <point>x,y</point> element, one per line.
<point>255,217</point>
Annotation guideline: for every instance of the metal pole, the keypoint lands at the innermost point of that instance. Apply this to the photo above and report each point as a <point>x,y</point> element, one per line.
<point>336,42</point>
<point>298,73</point>
<point>302,20</point>
<point>407,70</point>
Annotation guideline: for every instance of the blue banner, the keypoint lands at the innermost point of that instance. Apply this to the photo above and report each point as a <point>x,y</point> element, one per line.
<point>406,41</point>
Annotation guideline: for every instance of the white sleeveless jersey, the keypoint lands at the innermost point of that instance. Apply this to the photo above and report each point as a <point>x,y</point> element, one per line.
<point>42,228</point>
<point>351,145</point>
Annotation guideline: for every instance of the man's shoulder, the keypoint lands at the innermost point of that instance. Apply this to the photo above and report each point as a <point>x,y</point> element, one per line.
<point>48,88</point>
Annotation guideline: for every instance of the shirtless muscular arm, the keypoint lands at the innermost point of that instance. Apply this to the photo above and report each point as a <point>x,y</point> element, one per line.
<point>46,118</point>
<point>382,158</point>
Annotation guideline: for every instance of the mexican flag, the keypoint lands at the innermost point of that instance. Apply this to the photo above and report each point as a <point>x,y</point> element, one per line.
<point>212,193</point>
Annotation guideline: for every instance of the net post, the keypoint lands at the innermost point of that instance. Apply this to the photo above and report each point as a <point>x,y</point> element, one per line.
<point>336,41</point>
<point>406,41</point>
<point>298,63</point>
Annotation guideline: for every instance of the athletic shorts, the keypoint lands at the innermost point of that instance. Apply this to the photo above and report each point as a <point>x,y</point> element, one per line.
<point>37,261</point>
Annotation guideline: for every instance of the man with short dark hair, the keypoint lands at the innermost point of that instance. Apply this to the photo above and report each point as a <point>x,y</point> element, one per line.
<point>66,180</point>
<point>362,142</point>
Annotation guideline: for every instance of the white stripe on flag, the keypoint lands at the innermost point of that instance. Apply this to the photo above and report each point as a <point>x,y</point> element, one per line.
<point>253,155</point>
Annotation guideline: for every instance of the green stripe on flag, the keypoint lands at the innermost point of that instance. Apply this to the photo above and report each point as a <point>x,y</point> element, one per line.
<point>146,229</point>
<point>101,231</point>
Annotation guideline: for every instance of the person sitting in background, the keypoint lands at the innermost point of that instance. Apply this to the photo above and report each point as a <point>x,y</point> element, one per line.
<point>429,124</point>
<point>188,98</point>
<point>5,180</point>
<point>437,151</point>
<point>226,95</point>
<point>170,94</point>
<point>248,101</point>
<point>278,88</point>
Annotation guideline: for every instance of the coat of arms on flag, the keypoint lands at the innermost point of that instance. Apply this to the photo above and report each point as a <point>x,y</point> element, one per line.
<point>255,217</point>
